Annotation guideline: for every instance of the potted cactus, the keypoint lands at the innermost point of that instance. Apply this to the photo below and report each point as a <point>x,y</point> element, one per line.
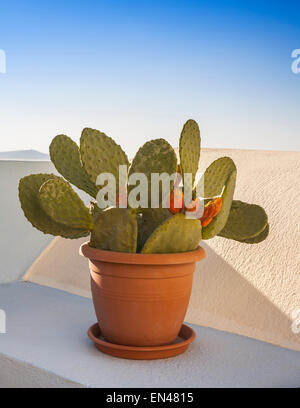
<point>142,256</point>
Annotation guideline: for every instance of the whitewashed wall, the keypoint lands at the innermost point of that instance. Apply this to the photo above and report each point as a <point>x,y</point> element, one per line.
<point>20,243</point>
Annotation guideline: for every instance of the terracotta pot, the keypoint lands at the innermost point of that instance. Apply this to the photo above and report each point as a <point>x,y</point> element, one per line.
<point>141,299</point>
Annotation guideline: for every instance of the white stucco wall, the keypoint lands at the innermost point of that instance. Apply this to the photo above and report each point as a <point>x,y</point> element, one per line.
<point>20,243</point>
<point>251,290</point>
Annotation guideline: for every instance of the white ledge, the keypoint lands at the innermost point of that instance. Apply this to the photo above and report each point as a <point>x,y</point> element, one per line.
<point>46,346</point>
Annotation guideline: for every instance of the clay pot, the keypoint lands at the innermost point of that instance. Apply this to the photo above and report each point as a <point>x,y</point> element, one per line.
<point>141,299</point>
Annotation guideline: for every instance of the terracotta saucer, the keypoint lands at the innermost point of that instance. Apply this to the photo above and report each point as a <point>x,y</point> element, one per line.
<point>185,337</point>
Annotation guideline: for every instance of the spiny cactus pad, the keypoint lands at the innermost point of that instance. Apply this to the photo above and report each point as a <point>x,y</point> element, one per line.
<point>65,156</point>
<point>29,187</point>
<point>258,238</point>
<point>156,156</point>
<point>216,175</point>
<point>176,234</point>
<point>63,205</point>
<point>245,221</point>
<point>115,230</point>
<point>94,209</point>
<point>189,148</point>
<point>101,154</point>
<point>150,219</point>
<point>219,222</point>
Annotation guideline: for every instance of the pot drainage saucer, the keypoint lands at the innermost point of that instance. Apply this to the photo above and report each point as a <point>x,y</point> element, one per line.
<point>185,337</point>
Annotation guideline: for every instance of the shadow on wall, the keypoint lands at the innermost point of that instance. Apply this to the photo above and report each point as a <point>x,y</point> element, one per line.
<point>223,299</point>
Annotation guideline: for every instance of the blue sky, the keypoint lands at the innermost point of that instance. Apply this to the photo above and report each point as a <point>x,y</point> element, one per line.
<point>137,70</point>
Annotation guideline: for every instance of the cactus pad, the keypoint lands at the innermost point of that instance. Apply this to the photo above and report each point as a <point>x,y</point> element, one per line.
<point>65,156</point>
<point>189,148</point>
<point>156,156</point>
<point>101,154</point>
<point>219,222</point>
<point>176,234</point>
<point>216,175</point>
<point>258,238</point>
<point>245,221</point>
<point>29,187</point>
<point>63,205</point>
<point>115,230</point>
<point>150,219</point>
<point>94,209</point>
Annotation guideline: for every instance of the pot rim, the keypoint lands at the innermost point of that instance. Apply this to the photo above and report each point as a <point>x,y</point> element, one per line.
<point>141,259</point>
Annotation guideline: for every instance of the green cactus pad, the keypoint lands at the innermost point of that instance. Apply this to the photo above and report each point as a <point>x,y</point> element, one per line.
<point>189,148</point>
<point>94,209</point>
<point>115,230</point>
<point>29,187</point>
<point>150,219</point>
<point>176,234</point>
<point>101,154</point>
<point>156,156</point>
<point>245,221</point>
<point>219,222</point>
<point>63,205</point>
<point>65,156</point>
<point>258,238</point>
<point>216,175</point>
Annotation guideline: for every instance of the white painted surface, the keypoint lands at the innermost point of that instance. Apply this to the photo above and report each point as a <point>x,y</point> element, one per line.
<point>20,243</point>
<point>47,330</point>
<point>17,374</point>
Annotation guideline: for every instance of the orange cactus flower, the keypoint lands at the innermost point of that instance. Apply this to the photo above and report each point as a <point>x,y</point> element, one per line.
<point>211,209</point>
<point>206,221</point>
<point>176,201</point>
<point>121,198</point>
<point>218,203</point>
<point>193,207</point>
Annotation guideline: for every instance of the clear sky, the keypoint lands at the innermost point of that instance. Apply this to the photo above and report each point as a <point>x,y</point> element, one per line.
<point>137,70</point>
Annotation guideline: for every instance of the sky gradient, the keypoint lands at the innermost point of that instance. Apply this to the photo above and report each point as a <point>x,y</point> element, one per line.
<point>137,70</point>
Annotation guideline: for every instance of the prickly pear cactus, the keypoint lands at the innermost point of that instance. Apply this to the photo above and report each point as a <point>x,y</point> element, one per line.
<point>149,220</point>
<point>156,156</point>
<point>258,238</point>
<point>51,205</point>
<point>219,222</point>
<point>245,221</point>
<point>65,156</point>
<point>176,234</point>
<point>216,175</point>
<point>29,187</point>
<point>101,154</point>
<point>115,230</point>
<point>63,205</point>
<point>189,148</point>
